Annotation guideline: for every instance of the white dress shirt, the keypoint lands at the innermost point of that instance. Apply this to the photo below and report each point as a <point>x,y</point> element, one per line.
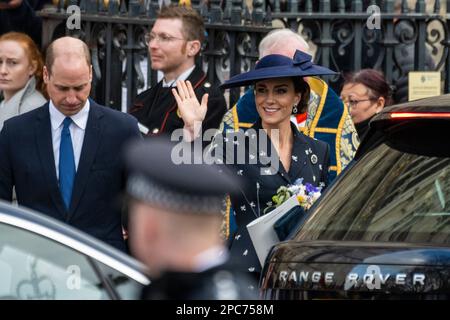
<point>77,130</point>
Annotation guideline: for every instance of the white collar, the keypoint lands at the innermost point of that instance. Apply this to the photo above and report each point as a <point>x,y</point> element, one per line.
<point>210,258</point>
<point>181,77</point>
<point>80,118</point>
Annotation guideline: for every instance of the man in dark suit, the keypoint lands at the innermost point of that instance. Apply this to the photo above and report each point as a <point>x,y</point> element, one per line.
<point>64,158</point>
<point>173,44</point>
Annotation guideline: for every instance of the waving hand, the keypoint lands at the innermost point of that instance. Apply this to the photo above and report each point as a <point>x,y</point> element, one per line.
<point>192,112</point>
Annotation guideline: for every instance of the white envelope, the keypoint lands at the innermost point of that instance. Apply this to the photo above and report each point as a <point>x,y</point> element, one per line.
<point>261,230</point>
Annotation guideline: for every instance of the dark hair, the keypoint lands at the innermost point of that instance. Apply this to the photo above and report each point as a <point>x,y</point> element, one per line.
<point>193,25</point>
<point>374,81</point>
<point>301,86</point>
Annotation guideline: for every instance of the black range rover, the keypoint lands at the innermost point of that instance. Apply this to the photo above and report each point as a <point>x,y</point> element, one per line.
<point>382,230</point>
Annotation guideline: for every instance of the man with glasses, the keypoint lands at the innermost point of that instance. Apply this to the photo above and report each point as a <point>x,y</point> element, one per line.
<point>173,44</point>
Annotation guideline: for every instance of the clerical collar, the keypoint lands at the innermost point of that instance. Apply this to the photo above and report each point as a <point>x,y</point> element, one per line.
<point>181,77</point>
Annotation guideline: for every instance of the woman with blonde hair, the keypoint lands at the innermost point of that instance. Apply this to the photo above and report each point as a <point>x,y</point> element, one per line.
<point>21,83</point>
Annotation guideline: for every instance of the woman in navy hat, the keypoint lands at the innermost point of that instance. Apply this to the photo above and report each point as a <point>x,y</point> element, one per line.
<point>275,152</point>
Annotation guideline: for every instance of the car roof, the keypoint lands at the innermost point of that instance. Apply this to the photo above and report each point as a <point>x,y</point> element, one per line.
<point>419,127</point>
<point>431,104</point>
<point>69,236</point>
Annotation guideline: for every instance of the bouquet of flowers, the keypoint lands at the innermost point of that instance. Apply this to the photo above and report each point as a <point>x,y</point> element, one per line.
<point>306,194</point>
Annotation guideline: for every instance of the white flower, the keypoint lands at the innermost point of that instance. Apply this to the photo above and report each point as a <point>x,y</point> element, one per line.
<point>307,194</point>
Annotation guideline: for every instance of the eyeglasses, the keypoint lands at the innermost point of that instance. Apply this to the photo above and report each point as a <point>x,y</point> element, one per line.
<point>161,38</point>
<point>353,103</point>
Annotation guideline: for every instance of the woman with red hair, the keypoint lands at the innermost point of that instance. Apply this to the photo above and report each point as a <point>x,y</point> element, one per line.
<point>21,83</point>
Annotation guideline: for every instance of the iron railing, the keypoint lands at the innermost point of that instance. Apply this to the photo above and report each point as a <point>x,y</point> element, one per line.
<point>341,31</point>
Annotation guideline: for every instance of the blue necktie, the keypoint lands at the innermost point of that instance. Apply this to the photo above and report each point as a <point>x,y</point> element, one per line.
<point>66,163</point>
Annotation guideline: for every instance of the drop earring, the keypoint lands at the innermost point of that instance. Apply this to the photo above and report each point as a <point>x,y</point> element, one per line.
<point>294,109</point>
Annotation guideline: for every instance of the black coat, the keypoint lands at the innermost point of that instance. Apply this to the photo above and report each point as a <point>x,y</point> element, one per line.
<point>219,283</point>
<point>22,19</point>
<point>27,162</point>
<point>310,161</point>
<point>157,109</point>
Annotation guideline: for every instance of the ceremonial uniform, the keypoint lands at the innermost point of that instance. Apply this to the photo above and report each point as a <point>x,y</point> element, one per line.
<point>156,107</point>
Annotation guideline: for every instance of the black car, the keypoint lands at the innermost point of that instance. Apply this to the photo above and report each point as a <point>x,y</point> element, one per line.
<point>41,258</point>
<point>382,229</point>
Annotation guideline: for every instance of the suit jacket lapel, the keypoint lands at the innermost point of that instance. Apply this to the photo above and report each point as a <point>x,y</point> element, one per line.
<point>92,138</point>
<point>43,136</point>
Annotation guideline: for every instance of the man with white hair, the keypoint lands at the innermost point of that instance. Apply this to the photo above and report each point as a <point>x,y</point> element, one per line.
<point>63,158</point>
<point>326,119</point>
<point>278,42</point>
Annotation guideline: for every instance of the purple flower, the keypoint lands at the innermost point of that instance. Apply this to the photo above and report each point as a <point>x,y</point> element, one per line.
<point>310,188</point>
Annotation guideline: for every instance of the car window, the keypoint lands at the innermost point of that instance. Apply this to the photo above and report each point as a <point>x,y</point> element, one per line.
<point>126,287</point>
<point>35,267</point>
<point>386,196</point>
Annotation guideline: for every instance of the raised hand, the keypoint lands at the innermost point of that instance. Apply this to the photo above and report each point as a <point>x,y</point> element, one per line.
<point>192,112</point>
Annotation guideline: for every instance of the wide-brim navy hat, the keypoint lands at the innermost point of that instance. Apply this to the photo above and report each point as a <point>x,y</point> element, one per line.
<point>279,66</point>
